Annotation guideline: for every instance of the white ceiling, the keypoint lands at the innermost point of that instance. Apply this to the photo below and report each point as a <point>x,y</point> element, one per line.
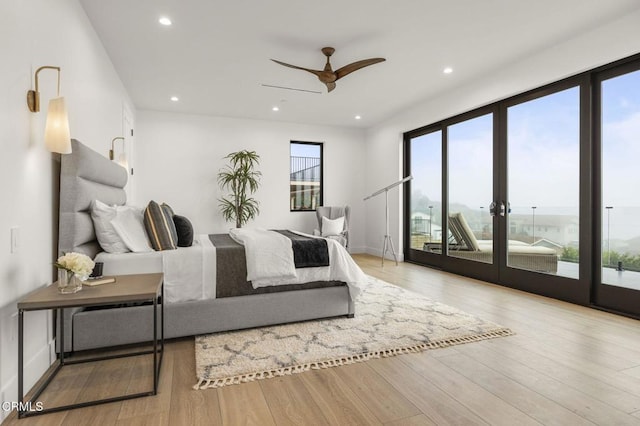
<point>216,54</point>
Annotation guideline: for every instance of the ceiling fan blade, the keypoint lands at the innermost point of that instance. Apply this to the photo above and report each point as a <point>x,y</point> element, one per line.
<point>314,72</point>
<point>330,86</point>
<point>355,66</point>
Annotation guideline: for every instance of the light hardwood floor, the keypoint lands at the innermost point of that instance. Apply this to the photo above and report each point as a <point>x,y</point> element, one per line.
<point>567,365</point>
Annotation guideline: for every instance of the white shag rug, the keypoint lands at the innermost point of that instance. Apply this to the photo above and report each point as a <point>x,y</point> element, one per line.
<point>389,321</point>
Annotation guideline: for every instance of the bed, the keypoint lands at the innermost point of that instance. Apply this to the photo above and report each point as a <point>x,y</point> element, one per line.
<point>87,176</point>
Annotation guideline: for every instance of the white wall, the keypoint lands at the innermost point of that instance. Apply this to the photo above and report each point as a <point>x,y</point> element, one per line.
<point>179,156</point>
<point>599,46</point>
<point>35,33</point>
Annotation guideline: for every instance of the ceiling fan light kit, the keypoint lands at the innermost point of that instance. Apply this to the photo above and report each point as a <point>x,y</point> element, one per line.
<point>327,75</point>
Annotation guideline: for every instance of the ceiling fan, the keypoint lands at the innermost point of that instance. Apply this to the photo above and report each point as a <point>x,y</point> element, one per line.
<point>327,75</point>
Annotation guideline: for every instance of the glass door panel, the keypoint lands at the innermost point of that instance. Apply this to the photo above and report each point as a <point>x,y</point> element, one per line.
<point>470,182</point>
<point>426,193</point>
<point>620,203</point>
<point>543,181</point>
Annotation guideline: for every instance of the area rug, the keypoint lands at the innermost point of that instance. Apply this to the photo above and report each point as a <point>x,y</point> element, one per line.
<point>389,321</point>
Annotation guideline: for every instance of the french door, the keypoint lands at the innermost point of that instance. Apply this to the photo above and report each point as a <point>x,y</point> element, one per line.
<point>453,176</point>
<point>545,159</point>
<point>616,154</point>
<point>499,193</point>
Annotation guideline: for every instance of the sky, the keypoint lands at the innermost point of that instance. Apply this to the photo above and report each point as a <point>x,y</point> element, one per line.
<point>305,150</point>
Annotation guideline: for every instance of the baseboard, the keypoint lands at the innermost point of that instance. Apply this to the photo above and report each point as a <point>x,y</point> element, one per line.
<point>357,250</point>
<point>378,252</point>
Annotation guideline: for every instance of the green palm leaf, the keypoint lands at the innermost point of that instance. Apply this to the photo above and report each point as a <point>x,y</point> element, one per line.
<point>241,178</point>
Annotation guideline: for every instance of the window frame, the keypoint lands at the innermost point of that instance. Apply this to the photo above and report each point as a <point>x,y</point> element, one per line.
<point>321,190</point>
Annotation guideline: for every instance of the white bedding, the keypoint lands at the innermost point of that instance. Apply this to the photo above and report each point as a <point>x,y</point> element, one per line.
<point>190,272</point>
<point>130,263</point>
<point>269,254</point>
<point>341,265</point>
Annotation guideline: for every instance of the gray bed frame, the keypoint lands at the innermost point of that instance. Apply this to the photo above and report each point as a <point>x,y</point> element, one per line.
<point>85,176</point>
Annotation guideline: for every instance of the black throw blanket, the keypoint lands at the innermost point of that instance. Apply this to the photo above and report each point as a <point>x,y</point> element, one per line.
<point>308,252</point>
<point>231,272</point>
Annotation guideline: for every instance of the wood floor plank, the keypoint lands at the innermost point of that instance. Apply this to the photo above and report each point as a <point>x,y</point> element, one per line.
<point>65,389</point>
<point>569,363</point>
<point>53,419</point>
<point>438,406</point>
<point>339,404</point>
<point>109,378</point>
<point>189,406</point>
<point>569,397</point>
<point>149,419</point>
<point>633,372</point>
<point>103,415</point>
<point>244,404</point>
<point>483,403</point>
<point>291,403</point>
<point>609,356</point>
<point>532,403</point>
<point>142,381</point>
<point>419,420</point>
<point>382,399</point>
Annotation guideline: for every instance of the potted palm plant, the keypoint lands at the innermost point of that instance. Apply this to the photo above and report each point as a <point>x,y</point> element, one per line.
<point>242,179</point>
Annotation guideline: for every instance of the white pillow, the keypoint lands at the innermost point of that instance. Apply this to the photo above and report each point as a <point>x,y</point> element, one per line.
<point>332,226</point>
<point>129,226</point>
<point>102,216</point>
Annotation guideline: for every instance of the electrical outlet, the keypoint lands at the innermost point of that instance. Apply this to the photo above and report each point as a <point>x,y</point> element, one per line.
<point>15,239</point>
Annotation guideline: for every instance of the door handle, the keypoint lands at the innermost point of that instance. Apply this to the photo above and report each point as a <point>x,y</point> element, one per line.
<point>492,208</point>
<point>502,209</point>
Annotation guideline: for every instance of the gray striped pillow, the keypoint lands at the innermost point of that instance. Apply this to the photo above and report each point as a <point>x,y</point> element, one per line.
<point>160,228</point>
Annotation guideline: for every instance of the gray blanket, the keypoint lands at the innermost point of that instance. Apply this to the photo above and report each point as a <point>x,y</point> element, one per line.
<point>231,271</point>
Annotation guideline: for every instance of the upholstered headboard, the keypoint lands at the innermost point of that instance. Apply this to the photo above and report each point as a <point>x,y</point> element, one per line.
<point>85,176</point>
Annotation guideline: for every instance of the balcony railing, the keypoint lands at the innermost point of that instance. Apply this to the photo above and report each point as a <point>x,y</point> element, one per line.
<point>305,169</point>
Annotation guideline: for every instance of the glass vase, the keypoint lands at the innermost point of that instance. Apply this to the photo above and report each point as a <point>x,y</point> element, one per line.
<point>68,282</point>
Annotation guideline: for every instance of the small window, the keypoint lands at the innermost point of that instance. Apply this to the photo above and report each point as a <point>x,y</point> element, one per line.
<point>306,176</point>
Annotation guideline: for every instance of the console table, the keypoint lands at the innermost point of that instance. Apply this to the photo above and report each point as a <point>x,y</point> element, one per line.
<point>126,289</point>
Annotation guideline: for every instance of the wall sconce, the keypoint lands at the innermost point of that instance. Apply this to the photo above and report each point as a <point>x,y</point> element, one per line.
<point>122,158</point>
<point>57,137</point>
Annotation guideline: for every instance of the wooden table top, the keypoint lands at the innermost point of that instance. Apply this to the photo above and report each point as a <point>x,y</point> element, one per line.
<point>126,288</point>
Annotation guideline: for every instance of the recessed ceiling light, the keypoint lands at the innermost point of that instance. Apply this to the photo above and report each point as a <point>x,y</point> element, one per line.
<point>165,21</point>
<point>357,117</point>
<point>447,70</point>
<point>175,99</point>
<point>275,108</point>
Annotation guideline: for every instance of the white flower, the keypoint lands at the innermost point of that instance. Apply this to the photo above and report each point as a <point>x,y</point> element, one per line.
<point>79,264</point>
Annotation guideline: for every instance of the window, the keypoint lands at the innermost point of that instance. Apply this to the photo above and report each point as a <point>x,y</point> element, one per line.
<point>306,176</point>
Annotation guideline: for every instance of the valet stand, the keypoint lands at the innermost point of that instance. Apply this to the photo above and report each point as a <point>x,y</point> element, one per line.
<point>388,242</point>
